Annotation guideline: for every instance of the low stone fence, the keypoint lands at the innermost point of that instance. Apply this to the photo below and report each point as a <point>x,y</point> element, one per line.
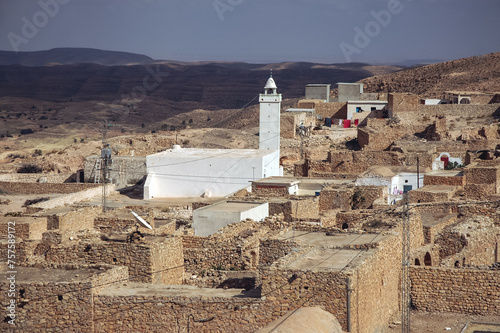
<point>468,291</point>
<point>42,188</point>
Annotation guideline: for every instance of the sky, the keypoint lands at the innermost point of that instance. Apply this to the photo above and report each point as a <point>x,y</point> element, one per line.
<point>258,31</point>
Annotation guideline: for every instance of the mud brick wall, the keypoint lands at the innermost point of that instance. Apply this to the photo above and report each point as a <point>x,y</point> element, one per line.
<point>476,248</point>
<point>376,284</point>
<point>305,209</point>
<point>221,255</point>
<point>52,306</point>
<point>300,169</point>
<point>287,126</point>
<point>431,231</point>
<point>35,177</point>
<point>479,191</point>
<point>80,219</point>
<point>490,210</point>
<point>147,263</point>
<point>42,188</point>
<point>425,195</point>
<point>281,207</point>
<point>359,161</point>
<point>402,103</point>
<point>269,190</point>
<point>467,291</point>
<point>483,175</point>
<point>153,313</point>
<point>380,138</point>
<point>71,198</point>
<point>336,110</point>
<point>351,219</point>
<point>271,250</point>
<point>189,242</point>
<point>440,180</point>
<point>463,110</point>
<point>58,306</point>
<point>292,289</point>
<point>168,261</point>
<point>332,198</point>
<point>111,224</point>
<point>247,280</point>
<point>367,195</point>
<point>27,228</point>
<point>450,243</point>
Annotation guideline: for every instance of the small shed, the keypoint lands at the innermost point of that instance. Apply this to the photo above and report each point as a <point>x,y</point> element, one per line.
<point>209,219</point>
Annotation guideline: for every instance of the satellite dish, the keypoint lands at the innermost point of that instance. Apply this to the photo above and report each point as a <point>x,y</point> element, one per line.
<point>141,221</point>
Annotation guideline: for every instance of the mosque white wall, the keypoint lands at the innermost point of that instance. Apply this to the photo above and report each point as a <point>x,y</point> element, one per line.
<point>190,172</point>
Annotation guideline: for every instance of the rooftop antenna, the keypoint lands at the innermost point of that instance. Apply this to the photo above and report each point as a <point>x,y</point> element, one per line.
<point>137,236</point>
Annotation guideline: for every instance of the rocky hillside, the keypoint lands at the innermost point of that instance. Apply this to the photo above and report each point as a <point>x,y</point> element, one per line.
<point>480,73</point>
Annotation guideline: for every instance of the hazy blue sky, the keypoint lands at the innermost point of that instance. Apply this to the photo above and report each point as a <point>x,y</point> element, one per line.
<point>258,30</point>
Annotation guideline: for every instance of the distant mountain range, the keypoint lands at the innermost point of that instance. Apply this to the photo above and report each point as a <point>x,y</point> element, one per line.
<point>66,56</point>
<point>69,74</point>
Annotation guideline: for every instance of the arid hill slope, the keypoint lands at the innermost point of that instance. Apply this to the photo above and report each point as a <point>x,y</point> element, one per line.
<point>480,73</point>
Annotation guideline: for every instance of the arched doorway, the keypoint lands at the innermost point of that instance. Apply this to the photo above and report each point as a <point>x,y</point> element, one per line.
<point>427,259</point>
<point>417,262</point>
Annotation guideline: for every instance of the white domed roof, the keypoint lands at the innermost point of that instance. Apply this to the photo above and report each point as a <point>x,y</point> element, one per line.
<point>270,84</point>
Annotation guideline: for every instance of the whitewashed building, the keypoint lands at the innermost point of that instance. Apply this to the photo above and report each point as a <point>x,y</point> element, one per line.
<point>193,172</point>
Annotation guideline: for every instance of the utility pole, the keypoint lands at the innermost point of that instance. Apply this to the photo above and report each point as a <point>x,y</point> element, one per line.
<point>106,162</point>
<point>405,269</point>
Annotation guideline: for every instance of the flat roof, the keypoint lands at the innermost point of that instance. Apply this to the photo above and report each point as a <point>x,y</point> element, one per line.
<point>22,219</point>
<point>160,290</point>
<point>437,188</point>
<point>43,275</point>
<point>232,206</point>
<point>432,219</point>
<point>465,92</point>
<point>324,260</point>
<point>318,84</point>
<point>213,153</point>
<point>446,173</point>
<point>299,110</point>
<point>367,102</point>
<point>320,239</point>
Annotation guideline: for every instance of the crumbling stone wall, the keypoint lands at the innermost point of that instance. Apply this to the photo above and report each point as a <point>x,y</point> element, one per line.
<point>443,289</point>
<point>332,198</point>
<point>432,193</point>
<point>113,224</point>
<point>27,228</point>
<point>146,262</point>
<point>269,190</point>
<point>288,125</point>
<point>235,248</point>
<point>430,231</point>
<point>58,306</point>
<point>355,162</point>
<point>444,180</point>
<point>290,289</point>
<point>36,177</point>
<point>375,295</point>
<point>78,219</point>
<point>16,188</point>
<point>479,175</point>
<point>273,249</point>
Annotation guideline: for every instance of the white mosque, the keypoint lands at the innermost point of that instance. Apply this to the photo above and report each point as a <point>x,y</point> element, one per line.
<point>192,172</point>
